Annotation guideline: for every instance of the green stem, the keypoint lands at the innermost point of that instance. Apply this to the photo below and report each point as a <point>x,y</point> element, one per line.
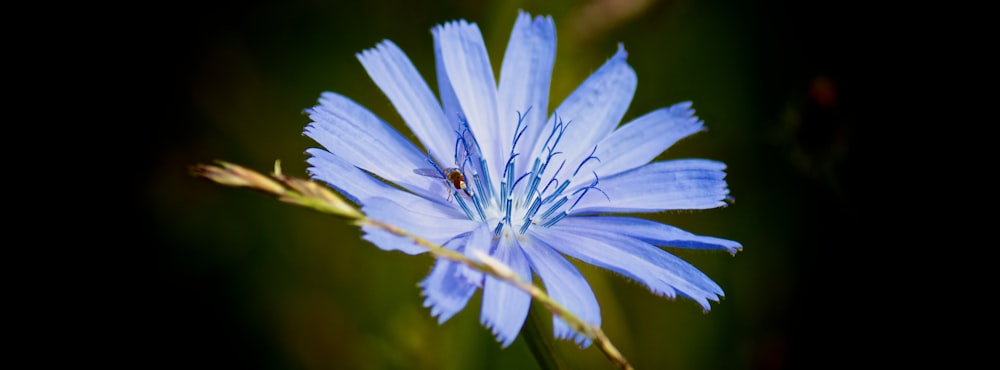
<point>539,344</point>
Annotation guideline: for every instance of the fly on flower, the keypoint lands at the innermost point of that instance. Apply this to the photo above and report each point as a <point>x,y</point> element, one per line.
<point>451,175</point>
<point>537,187</point>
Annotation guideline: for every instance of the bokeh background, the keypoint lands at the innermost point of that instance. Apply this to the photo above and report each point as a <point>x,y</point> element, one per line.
<point>212,277</point>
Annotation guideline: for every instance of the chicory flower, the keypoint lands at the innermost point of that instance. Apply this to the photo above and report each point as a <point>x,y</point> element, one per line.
<point>497,173</point>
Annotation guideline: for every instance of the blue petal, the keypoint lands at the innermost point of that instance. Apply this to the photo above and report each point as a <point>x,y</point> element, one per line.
<point>391,242</point>
<point>350,181</point>
<point>667,185</point>
<point>525,77</point>
<point>351,132</point>
<point>652,232</point>
<point>444,290</point>
<point>481,241</point>
<point>393,72</point>
<point>434,223</point>
<point>596,107</point>
<point>641,140</point>
<point>504,306</point>
<point>464,56</point>
<point>449,101</point>
<point>566,285</point>
<point>661,272</point>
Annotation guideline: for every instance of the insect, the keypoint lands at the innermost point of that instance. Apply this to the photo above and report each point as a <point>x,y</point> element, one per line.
<point>452,175</point>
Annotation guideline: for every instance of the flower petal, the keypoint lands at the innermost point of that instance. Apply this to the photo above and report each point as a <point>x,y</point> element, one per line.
<point>391,242</point>
<point>667,185</point>
<point>444,291</point>
<point>435,223</point>
<point>347,179</point>
<point>661,272</point>
<point>505,306</point>
<point>525,77</point>
<point>393,72</point>
<point>595,108</point>
<point>652,232</point>
<point>641,140</point>
<point>449,101</point>
<point>481,241</point>
<point>566,285</point>
<point>352,132</point>
<point>470,75</point>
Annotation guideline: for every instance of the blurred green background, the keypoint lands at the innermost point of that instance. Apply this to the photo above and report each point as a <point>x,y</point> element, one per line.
<point>216,277</point>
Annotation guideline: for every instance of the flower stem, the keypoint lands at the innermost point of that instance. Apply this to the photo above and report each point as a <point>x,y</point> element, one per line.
<point>545,354</point>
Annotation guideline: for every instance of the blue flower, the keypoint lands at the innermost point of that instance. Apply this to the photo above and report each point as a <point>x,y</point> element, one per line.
<point>498,174</point>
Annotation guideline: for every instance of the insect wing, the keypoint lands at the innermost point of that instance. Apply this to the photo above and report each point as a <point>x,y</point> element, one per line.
<point>429,172</point>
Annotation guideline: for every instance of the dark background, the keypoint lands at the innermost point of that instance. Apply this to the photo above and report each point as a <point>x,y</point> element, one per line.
<point>165,270</point>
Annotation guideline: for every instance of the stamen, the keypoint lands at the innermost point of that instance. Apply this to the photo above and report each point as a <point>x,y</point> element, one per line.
<point>479,185</point>
<point>534,208</point>
<point>487,183</point>
<point>582,192</point>
<point>479,207</point>
<point>524,226</point>
<point>518,131</point>
<point>465,208</point>
<point>503,198</point>
<point>533,184</point>
<point>554,220</point>
<point>554,207</point>
<point>517,181</point>
<point>589,157</point>
<point>506,215</point>
<point>558,191</point>
<point>509,171</point>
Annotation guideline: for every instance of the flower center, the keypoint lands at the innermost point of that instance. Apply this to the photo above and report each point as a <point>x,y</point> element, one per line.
<point>538,196</point>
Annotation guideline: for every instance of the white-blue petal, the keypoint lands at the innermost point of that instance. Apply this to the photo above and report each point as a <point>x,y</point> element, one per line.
<point>652,232</point>
<point>395,74</point>
<point>641,140</point>
<point>596,107</point>
<point>565,284</point>
<point>505,306</point>
<point>432,222</point>
<point>353,133</point>
<point>667,185</point>
<point>525,78</point>
<point>470,74</point>
<point>661,272</point>
<point>445,291</point>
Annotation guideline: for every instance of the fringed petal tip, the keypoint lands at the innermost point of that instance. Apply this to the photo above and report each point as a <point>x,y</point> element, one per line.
<point>505,333</point>
<point>562,331</point>
<point>581,340</point>
<point>379,47</point>
<point>443,293</point>
<point>437,310</point>
<point>705,301</point>
<point>621,53</point>
<point>430,302</point>
<point>505,339</point>
<point>455,24</point>
<point>733,247</point>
